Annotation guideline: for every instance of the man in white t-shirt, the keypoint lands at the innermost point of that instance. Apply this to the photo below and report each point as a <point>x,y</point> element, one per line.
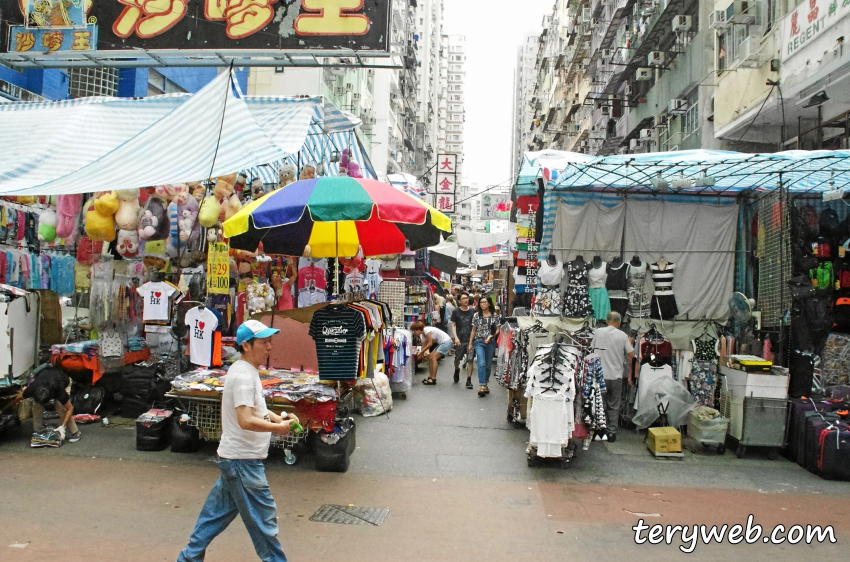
<point>246,428</point>
<point>615,347</point>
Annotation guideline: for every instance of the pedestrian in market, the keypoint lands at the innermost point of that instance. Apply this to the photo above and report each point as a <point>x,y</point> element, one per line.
<point>614,348</point>
<point>53,384</point>
<point>461,321</point>
<point>246,428</point>
<point>436,344</point>
<point>451,306</point>
<point>485,323</point>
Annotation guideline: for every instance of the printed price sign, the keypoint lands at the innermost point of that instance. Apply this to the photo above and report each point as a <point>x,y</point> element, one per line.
<point>218,268</point>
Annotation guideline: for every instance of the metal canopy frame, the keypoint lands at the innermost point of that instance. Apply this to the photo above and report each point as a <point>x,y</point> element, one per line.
<point>735,175</point>
<point>132,58</point>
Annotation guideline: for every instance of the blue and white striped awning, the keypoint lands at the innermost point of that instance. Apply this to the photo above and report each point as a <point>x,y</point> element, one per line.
<point>90,144</point>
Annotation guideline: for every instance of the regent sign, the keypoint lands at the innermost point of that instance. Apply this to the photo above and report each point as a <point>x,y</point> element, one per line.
<point>291,25</point>
<point>809,21</point>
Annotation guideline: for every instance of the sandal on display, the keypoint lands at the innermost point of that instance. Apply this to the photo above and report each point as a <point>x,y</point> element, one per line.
<point>429,381</point>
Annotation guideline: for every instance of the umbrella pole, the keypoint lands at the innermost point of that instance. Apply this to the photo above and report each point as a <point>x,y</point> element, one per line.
<point>336,259</point>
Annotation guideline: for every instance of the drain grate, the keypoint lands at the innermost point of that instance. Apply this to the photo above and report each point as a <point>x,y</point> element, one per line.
<point>350,515</point>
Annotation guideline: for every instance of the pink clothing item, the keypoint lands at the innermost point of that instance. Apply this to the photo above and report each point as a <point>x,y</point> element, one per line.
<point>286,301</point>
<point>21,225</point>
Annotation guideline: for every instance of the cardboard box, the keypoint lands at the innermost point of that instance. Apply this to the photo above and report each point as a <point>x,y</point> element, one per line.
<point>664,440</point>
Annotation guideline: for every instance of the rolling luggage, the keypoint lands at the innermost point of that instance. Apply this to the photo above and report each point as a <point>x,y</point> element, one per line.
<point>152,430</point>
<point>834,462</point>
<point>811,448</point>
<point>797,425</point>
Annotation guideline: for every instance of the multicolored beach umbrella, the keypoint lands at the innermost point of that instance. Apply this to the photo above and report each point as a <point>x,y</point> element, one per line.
<point>334,216</point>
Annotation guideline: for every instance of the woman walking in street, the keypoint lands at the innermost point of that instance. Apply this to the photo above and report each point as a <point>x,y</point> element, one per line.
<point>483,340</point>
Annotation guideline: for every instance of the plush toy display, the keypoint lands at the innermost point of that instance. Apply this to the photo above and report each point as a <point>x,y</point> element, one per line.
<point>127,216</point>
<point>241,180</point>
<point>47,226</point>
<point>354,170</point>
<point>187,220</point>
<point>127,243</point>
<point>154,223</point>
<point>198,190</point>
<point>286,174</point>
<point>232,206</point>
<point>68,207</point>
<point>258,189</point>
<point>308,172</point>
<point>100,220</point>
<point>343,162</point>
<point>214,233</point>
<point>177,192</point>
<point>260,297</point>
<point>209,212</point>
<point>155,254</point>
<point>225,186</point>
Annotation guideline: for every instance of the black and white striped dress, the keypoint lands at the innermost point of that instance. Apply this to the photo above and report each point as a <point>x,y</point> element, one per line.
<point>663,305</point>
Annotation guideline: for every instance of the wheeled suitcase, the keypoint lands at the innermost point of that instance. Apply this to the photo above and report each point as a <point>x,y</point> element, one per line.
<point>797,424</point>
<point>835,452</point>
<point>840,391</point>
<point>811,448</point>
<point>152,430</point>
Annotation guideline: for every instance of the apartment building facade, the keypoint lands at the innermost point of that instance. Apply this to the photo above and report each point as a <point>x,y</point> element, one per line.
<point>630,76</point>
<point>524,82</point>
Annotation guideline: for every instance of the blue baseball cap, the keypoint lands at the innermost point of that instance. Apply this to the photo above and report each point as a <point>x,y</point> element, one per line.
<point>251,329</point>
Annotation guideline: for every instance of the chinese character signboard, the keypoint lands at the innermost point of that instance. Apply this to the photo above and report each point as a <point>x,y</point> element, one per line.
<point>495,207</point>
<point>445,202</point>
<point>808,22</point>
<point>447,164</point>
<point>291,25</point>
<point>50,39</point>
<point>446,183</point>
<point>218,268</point>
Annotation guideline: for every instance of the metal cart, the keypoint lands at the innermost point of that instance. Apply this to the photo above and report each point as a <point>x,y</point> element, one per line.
<point>708,433</point>
<point>763,422</point>
<point>205,414</point>
<point>568,453</point>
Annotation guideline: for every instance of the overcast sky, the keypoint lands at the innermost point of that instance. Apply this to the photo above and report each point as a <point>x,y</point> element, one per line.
<point>493,30</point>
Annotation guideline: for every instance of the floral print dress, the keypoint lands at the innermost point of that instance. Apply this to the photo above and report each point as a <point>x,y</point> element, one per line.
<point>576,298</point>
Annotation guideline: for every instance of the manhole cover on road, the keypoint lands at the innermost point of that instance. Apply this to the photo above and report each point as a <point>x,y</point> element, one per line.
<point>350,515</point>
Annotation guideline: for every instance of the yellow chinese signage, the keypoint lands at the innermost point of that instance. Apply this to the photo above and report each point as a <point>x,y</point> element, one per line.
<point>218,268</point>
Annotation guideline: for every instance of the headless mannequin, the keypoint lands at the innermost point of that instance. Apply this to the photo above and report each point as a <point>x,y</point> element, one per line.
<point>579,261</point>
<point>662,263</point>
<point>616,262</point>
<point>636,261</point>
<point>597,262</point>
<point>552,260</point>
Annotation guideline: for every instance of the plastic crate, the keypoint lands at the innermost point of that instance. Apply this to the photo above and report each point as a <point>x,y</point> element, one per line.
<point>707,431</point>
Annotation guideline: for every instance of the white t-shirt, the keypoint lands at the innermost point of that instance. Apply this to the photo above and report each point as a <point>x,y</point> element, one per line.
<point>437,334</point>
<point>242,388</point>
<point>616,347</point>
<point>202,323</point>
<point>157,301</point>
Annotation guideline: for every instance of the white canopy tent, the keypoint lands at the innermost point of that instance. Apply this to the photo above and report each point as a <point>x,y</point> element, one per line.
<point>90,144</point>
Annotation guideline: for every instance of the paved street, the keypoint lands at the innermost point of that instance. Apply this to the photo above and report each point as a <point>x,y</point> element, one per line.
<point>449,467</point>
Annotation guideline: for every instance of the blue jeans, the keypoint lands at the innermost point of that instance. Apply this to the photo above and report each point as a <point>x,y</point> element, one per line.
<point>484,352</point>
<point>242,488</point>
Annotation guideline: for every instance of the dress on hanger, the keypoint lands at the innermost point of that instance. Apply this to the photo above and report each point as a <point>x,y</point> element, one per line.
<point>576,298</point>
<point>663,305</point>
<point>638,298</point>
<point>597,291</point>
<point>617,285</point>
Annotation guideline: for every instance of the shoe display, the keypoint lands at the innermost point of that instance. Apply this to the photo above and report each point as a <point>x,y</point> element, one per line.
<point>75,437</point>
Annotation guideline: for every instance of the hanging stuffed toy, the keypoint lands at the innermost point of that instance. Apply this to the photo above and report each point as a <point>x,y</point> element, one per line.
<point>127,243</point>
<point>286,175</point>
<point>127,216</point>
<point>308,172</point>
<point>154,223</point>
<point>343,162</point>
<point>100,220</point>
<point>232,205</point>
<point>258,189</point>
<point>239,187</point>
<point>47,226</point>
<point>354,170</point>
<point>198,190</point>
<point>209,212</point>
<point>68,207</point>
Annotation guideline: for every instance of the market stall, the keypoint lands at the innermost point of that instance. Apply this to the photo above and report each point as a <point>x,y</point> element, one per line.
<point>667,240</point>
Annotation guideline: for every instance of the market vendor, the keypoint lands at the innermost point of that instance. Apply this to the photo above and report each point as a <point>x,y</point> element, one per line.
<point>283,286</point>
<point>436,344</point>
<point>53,384</point>
<point>246,428</point>
<point>616,350</point>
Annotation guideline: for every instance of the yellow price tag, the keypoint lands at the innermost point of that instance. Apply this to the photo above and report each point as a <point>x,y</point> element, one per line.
<point>218,268</point>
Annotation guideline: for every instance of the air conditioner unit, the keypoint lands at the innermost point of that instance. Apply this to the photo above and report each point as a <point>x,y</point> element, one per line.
<point>339,91</point>
<point>717,19</point>
<point>655,58</point>
<point>372,121</point>
<point>634,144</point>
<point>370,72</point>
<point>749,55</point>
<point>646,134</point>
<point>643,74</point>
<point>661,121</point>
<point>741,11</point>
<point>349,87</point>
<point>586,15</point>
<point>355,97</point>
<point>606,110</point>
<point>677,106</point>
<point>682,23</point>
<point>606,53</point>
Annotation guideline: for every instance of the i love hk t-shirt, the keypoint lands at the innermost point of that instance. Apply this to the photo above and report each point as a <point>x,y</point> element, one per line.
<point>158,300</point>
<point>202,323</point>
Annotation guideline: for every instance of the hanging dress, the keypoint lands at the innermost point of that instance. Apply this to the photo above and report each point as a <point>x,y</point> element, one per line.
<point>617,285</point>
<point>638,297</point>
<point>547,299</point>
<point>576,299</point>
<point>597,291</point>
<point>663,305</point>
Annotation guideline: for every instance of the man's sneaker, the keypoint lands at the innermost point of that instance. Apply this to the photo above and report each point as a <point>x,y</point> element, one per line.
<point>457,375</point>
<point>468,382</point>
<point>612,437</point>
<point>75,437</point>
